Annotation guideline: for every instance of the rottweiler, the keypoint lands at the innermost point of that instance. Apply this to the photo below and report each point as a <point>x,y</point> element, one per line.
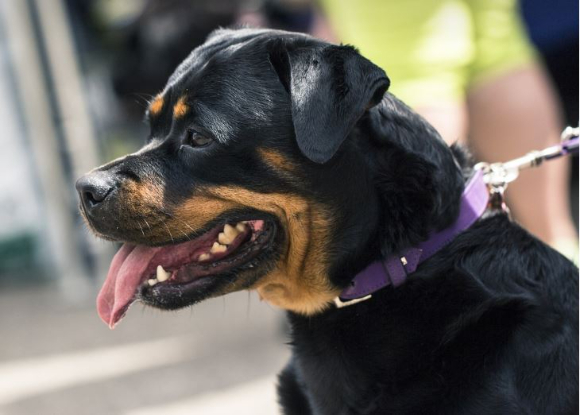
<point>279,163</point>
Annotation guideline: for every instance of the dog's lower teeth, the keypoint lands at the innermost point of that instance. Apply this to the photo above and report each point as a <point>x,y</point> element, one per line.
<point>162,275</point>
<point>224,239</point>
<point>218,248</point>
<point>230,233</point>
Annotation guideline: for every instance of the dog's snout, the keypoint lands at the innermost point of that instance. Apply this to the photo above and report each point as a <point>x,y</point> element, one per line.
<point>94,188</point>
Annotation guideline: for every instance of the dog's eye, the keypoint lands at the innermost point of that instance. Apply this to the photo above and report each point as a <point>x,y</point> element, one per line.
<point>195,139</point>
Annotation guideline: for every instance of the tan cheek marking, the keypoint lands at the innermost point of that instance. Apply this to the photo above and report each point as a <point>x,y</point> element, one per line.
<point>277,160</point>
<point>299,281</point>
<point>157,105</point>
<point>144,192</point>
<point>142,203</point>
<point>180,108</point>
<point>197,211</point>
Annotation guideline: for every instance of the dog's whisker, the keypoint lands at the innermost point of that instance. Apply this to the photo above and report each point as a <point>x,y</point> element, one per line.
<point>187,224</point>
<point>169,232</point>
<point>181,230</point>
<point>143,99</point>
<point>178,219</point>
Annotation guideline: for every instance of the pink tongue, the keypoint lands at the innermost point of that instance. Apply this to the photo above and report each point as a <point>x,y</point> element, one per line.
<point>123,279</point>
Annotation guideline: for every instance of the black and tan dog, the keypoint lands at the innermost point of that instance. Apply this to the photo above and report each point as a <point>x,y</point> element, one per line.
<point>276,162</point>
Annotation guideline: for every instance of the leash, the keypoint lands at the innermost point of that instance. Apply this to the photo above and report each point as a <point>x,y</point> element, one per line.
<point>499,175</point>
<point>483,191</point>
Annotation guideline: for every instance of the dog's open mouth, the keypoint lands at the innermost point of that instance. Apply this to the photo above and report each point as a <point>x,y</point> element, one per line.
<point>138,270</point>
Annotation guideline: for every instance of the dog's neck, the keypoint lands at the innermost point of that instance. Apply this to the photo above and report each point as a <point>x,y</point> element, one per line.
<point>395,269</point>
<point>418,179</point>
<point>417,182</point>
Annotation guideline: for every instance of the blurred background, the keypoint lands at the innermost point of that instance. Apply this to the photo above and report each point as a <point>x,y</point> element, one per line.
<point>76,77</point>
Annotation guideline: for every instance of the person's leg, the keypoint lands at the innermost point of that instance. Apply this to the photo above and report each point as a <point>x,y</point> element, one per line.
<point>510,115</point>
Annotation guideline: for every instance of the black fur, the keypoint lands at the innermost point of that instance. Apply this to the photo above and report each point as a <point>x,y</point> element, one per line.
<point>325,111</point>
<point>488,325</point>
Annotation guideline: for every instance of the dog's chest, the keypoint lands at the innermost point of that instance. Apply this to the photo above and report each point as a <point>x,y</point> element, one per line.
<point>340,370</point>
<point>333,384</point>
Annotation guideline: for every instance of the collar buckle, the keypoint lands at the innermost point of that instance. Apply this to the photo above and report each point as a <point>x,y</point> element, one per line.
<point>341,304</point>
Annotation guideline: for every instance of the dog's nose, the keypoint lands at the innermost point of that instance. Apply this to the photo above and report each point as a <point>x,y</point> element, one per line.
<point>94,188</point>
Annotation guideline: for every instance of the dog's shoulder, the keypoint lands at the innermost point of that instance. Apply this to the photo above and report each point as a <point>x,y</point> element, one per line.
<point>481,318</point>
<point>526,319</point>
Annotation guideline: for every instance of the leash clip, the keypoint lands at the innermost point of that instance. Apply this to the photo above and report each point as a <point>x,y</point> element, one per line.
<point>569,133</point>
<point>497,177</point>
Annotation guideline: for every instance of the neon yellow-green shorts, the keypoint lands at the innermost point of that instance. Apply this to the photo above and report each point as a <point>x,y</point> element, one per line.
<point>433,50</point>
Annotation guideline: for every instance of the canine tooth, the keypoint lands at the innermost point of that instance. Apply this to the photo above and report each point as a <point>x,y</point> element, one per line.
<point>217,248</point>
<point>241,227</point>
<point>204,257</point>
<point>152,282</point>
<point>162,275</point>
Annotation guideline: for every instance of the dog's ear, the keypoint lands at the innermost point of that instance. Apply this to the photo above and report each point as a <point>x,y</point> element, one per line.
<point>330,88</point>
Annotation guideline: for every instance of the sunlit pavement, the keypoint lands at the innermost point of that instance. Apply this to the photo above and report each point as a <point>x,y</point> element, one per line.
<point>219,357</point>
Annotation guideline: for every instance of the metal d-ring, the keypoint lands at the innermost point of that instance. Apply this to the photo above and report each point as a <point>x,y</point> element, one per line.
<point>341,304</point>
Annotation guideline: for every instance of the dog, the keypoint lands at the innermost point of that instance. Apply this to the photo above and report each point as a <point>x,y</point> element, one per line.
<point>279,163</point>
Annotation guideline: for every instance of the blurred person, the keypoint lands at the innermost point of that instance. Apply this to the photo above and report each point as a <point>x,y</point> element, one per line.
<point>468,68</point>
<point>554,32</point>
<point>553,29</point>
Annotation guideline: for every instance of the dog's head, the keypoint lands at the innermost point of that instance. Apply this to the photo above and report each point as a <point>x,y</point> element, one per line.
<point>252,177</point>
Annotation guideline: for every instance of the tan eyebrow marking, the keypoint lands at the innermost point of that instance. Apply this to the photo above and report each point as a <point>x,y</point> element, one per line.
<point>157,105</point>
<point>180,108</point>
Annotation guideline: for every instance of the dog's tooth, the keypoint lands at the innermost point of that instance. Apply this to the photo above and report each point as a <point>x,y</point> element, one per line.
<point>204,257</point>
<point>162,275</point>
<point>241,227</point>
<point>224,239</point>
<point>228,235</point>
<point>152,282</point>
<point>230,231</point>
<point>218,248</point>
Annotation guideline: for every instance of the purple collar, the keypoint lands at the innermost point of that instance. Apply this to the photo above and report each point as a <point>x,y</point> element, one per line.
<point>395,269</point>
